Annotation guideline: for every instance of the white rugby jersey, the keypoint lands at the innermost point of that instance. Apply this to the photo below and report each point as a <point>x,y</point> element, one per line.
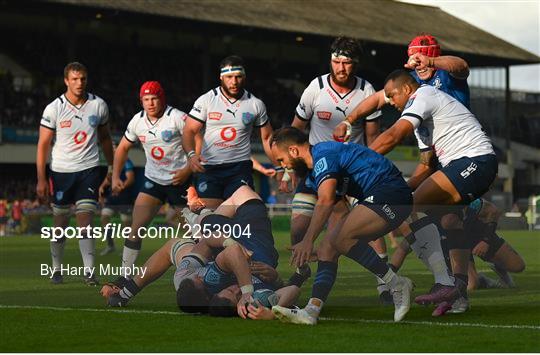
<point>76,127</point>
<point>161,141</point>
<point>228,125</point>
<point>443,124</point>
<point>325,108</point>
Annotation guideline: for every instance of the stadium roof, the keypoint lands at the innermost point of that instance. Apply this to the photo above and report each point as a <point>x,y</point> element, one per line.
<point>383,21</point>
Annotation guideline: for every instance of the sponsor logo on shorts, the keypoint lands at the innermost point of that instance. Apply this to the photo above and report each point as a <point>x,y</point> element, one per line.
<point>215,116</point>
<point>369,199</point>
<point>148,185</point>
<point>324,115</point>
<point>320,166</point>
<point>65,124</point>
<point>59,195</point>
<point>470,169</point>
<point>386,209</point>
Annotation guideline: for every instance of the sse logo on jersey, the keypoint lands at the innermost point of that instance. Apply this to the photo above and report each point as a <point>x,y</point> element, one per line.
<point>215,116</point>
<point>324,115</point>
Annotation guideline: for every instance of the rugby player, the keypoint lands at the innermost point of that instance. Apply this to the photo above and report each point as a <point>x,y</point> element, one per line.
<point>324,104</point>
<point>120,204</point>
<point>158,127</point>
<point>383,202</point>
<point>77,121</point>
<point>228,114</point>
<point>446,130</point>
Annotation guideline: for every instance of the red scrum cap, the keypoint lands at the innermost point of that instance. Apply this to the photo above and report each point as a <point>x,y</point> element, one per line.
<point>152,88</point>
<point>424,44</point>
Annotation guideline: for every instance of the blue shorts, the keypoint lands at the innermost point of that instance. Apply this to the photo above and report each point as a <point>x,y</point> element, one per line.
<point>392,201</point>
<point>260,241</point>
<point>472,177</point>
<point>302,188</point>
<point>68,188</point>
<point>176,195</point>
<point>221,181</point>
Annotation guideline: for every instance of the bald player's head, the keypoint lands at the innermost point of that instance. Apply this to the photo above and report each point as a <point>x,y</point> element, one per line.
<point>399,85</point>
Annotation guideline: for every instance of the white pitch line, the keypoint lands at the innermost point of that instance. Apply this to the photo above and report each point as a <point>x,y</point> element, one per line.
<point>375,321</point>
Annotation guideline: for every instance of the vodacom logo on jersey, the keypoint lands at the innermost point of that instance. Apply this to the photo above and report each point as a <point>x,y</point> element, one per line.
<point>80,137</point>
<point>157,153</point>
<point>228,134</point>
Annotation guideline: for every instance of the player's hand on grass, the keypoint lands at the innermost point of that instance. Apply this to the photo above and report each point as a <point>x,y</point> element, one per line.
<point>42,190</point>
<point>195,163</point>
<point>264,271</point>
<point>480,249</point>
<point>243,304</point>
<point>117,186</point>
<point>180,176</point>
<point>259,312</point>
<point>301,252</point>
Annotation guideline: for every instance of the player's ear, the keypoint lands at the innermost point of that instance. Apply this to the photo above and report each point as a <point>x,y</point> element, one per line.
<point>293,151</point>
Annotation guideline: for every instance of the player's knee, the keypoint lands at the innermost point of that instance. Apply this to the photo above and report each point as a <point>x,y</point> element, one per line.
<point>125,218</point>
<point>489,212</point>
<point>451,221</point>
<point>86,206</point>
<point>106,212</point>
<point>327,252</point>
<point>60,210</point>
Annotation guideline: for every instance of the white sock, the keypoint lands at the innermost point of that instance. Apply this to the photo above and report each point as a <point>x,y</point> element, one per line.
<point>129,256</point>
<point>314,307</point>
<point>87,248</point>
<point>57,254</point>
<point>427,248</point>
<point>390,278</point>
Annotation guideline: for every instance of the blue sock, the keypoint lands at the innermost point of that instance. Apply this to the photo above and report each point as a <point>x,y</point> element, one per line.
<point>364,255</point>
<point>324,280</point>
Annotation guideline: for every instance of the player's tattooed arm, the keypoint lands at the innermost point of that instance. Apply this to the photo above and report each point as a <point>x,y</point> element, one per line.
<point>426,167</point>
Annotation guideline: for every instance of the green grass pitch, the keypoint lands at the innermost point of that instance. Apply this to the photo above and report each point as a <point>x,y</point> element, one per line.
<point>37,316</point>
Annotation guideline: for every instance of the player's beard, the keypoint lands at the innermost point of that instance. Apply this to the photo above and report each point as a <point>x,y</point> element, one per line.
<point>300,167</point>
<point>341,82</point>
<point>230,94</point>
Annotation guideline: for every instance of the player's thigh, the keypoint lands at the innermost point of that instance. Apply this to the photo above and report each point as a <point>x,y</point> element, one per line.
<point>362,223</point>
<point>436,190</point>
<point>145,208</point>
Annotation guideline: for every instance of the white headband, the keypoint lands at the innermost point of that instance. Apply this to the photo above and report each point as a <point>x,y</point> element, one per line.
<point>232,70</point>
